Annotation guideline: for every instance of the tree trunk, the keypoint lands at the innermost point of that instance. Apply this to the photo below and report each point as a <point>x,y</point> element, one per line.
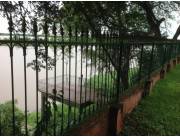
<point>153,22</point>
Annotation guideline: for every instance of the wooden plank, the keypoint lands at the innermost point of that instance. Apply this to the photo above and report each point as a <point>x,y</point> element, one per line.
<point>91,98</point>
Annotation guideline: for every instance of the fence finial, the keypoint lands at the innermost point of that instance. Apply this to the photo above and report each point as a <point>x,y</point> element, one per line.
<point>76,32</point>
<point>23,24</point>
<point>82,32</point>
<point>106,35</point>
<point>45,27</point>
<point>54,29</point>
<point>87,33</point>
<point>61,30</point>
<point>11,28</point>
<point>70,32</point>
<point>35,28</point>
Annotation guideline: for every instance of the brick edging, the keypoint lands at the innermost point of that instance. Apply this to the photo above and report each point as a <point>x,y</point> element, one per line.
<point>111,120</point>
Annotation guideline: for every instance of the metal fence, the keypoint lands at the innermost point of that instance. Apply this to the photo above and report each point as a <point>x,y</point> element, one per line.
<point>94,70</point>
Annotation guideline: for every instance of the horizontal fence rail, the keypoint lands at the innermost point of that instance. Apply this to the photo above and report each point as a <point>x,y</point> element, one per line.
<point>84,72</point>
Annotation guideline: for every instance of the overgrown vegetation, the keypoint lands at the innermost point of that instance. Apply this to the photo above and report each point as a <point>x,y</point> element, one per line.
<point>159,113</point>
<point>107,80</point>
<point>6,119</point>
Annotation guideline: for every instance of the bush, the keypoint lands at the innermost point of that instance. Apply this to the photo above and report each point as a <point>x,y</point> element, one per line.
<point>6,119</point>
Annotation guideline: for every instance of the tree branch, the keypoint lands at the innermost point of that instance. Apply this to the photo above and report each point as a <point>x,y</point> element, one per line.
<point>177,33</point>
<point>152,20</point>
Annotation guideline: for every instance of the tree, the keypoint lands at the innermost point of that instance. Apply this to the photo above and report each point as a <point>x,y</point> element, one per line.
<point>123,18</point>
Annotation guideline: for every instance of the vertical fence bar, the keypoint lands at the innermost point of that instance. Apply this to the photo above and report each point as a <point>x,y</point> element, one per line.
<point>25,80</point>
<point>113,75</point>
<point>169,54</point>
<point>102,67</point>
<point>106,89</point>
<point>118,77</point>
<point>46,67</point>
<point>107,47</point>
<point>133,65</point>
<point>76,36</point>
<point>110,79</point>
<point>151,61</point>
<point>113,70</point>
<point>108,68</point>
<point>91,50</point>
<point>12,86</point>
<point>69,100</point>
<point>178,49</point>
<point>95,92</point>
<point>140,62</point>
<point>164,55</point>
<point>87,86</point>
<point>99,66</point>
<point>62,106</point>
<point>80,109</point>
<point>55,90</point>
<point>37,69</point>
<point>12,75</point>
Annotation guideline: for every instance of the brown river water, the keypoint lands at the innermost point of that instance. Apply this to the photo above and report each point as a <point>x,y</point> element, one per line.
<point>5,76</point>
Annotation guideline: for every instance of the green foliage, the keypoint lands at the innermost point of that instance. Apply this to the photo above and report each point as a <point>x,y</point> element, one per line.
<point>158,114</point>
<point>55,119</point>
<point>32,122</point>
<point>102,81</point>
<point>107,81</point>
<point>59,118</point>
<point>133,75</point>
<point>6,119</point>
<point>41,61</point>
<point>145,60</point>
<point>124,16</point>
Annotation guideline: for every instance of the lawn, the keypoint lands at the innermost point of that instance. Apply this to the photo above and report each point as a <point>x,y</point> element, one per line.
<point>159,113</point>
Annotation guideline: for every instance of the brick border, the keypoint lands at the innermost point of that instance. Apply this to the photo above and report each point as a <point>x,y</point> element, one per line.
<point>111,120</point>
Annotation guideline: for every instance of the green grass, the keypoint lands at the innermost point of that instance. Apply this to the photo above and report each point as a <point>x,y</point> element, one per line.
<point>108,80</point>
<point>105,80</point>
<point>159,113</point>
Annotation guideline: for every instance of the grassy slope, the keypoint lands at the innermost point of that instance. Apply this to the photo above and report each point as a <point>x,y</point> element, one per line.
<point>159,113</point>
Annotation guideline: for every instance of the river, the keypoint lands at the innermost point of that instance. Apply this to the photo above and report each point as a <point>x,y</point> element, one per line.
<point>5,75</point>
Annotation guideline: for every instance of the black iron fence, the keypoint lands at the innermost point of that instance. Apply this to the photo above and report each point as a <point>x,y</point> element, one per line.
<point>91,70</point>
